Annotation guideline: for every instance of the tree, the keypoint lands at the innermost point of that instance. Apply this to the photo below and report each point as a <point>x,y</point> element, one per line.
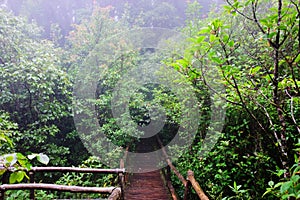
<point>35,91</point>
<point>254,47</point>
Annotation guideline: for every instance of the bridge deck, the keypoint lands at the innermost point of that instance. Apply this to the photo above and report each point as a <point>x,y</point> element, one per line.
<point>148,185</point>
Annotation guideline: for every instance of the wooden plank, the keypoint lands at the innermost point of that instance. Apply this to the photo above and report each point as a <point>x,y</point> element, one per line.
<point>45,186</point>
<point>196,186</point>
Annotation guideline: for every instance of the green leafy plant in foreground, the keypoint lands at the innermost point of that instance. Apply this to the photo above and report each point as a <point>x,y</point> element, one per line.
<point>288,188</point>
<point>16,163</point>
<point>239,193</point>
<point>19,164</point>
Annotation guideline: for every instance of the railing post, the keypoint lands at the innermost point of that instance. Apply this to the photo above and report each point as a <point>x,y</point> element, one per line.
<point>5,177</point>
<point>115,194</point>
<point>122,184</point>
<point>2,193</point>
<point>31,178</point>
<point>5,180</point>
<point>122,178</point>
<point>187,190</point>
<point>168,173</point>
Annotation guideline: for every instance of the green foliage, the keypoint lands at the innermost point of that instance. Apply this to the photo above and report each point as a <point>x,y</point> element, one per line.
<point>17,165</point>
<point>241,45</point>
<point>289,187</point>
<point>239,193</point>
<point>8,129</point>
<point>250,48</point>
<point>34,90</point>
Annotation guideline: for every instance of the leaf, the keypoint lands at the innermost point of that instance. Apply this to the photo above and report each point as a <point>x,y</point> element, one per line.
<point>278,184</point>
<point>217,60</point>
<point>16,176</point>
<point>32,156</point>
<point>204,30</point>
<point>212,38</point>
<point>42,158</point>
<point>271,183</point>
<point>2,171</point>
<point>295,178</point>
<point>11,159</point>
<point>13,177</point>
<point>183,62</point>
<point>20,156</point>
<point>255,70</point>
<point>271,35</point>
<point>20,176</point>
<point>234,185</point>
<point>200,39</point>
<point>268,191</point>
<point>297,59</point>
<point>285,186</point>
<point>231,43</point>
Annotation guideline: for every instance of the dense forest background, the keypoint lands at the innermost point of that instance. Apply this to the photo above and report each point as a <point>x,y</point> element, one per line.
<point>253,46</point>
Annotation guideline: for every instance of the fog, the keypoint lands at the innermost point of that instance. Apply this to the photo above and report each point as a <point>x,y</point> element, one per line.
<point>64,13</point>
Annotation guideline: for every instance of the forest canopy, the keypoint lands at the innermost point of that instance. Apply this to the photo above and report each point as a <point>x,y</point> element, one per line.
<point>240,58</point>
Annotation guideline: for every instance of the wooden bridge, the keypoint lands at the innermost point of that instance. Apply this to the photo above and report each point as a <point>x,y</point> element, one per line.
<point>149,185</point>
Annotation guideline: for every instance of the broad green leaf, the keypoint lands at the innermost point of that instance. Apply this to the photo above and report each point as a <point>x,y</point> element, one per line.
<point>271,35</point>
<point>231,43</point>
<point>213,38</point>
<point>42,158</point>
<point>217,60</point>
<point>2,171</point>
<point>297,60</point>
<point>285,186</point>
<point>11,159</point>
<point>201,39</point>
<point>20,176</point>
<point>295,178</point>
<point>32,156</point>
<point>255,70</point>
<point>204,30</point>
<point>16,176</point>
<point>20,156</point>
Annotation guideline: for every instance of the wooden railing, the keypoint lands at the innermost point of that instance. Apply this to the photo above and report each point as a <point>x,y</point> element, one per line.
<point>115,192</point>
<point>188,183</point>
<point>124,176</point>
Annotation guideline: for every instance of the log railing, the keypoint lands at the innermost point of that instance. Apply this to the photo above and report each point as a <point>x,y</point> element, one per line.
<point>123,177</point>
<point>115,192</point>
<point>189,182</point>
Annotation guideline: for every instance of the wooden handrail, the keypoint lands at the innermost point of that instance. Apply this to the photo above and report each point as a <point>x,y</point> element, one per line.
<point>46,186</point>
<point>123,176</point>
<point>196,185</point>
<point>167,175</point>
<point>116,193</point>
<point>176,172</point>
<point>77,169</point>
<point>190,181</point>
<point>71,169</point>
